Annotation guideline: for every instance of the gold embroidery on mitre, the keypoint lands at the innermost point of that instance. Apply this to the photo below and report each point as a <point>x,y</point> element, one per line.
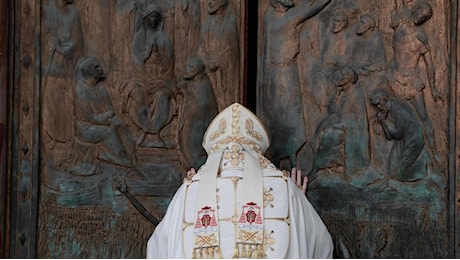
<point>251,132</point>
<point>233,139</point>
<point>222,129</point>
<point>236,115</point>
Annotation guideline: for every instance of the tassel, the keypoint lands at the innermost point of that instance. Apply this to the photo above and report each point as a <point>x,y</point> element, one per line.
<point>219,255</point>
<point>210,252</point>
<point>250,251</point>
<point>194,254</point>
<point>236,252</point>
<point>262,252</point>
<point>254,252</point>
<point>243,251</point>
<point>200,253</point>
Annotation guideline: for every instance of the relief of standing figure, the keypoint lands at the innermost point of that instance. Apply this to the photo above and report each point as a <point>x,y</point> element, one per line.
<point>198,108</point>
<point>410,45</point>
<point>281,101</point>
<point>219,49</point>
<point>66,46</point>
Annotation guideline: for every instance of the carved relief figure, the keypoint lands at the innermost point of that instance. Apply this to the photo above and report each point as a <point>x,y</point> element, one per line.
<point>150,96</point>
<point>370,62</point>
<point>400,123</point>
<point>198,108</point>
<point>65,47</point>
<point>99,133</point>
<point>192,13</point>
<point>336,48</point>
<point>281,101</point>
<point>369,57</point>
<point>188,32</point>
<point>220,51</point>
<point>343,136</point>
<point>318,87</point>
<point>152,48</point>
<point>335,52</point>
<point>63,22</point>
<point>410,45</point>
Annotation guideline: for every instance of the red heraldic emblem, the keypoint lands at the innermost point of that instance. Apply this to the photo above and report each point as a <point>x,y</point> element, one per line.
<point>251,214</point>
<point>206,218</point>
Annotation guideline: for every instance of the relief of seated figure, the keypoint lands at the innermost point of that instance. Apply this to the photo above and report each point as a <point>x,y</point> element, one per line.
<point>99,133</point>
<point>149,95</point>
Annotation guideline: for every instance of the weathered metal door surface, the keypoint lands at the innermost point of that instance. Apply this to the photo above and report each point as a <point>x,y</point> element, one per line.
<point>111,100</point>
<point>361,96</point>
<point>3,121</point>
<point>108,101</point>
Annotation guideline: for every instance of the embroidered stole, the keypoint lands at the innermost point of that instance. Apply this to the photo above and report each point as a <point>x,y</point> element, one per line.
<point>250,228</point>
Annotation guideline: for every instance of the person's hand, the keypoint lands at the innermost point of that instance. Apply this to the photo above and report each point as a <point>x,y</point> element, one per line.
<point>296,176</point>
<point>67,50</point>
<point>190,174</point>
<point>380,117</point>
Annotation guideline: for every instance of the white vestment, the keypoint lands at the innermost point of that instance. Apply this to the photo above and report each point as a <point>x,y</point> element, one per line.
<point>292,227</point>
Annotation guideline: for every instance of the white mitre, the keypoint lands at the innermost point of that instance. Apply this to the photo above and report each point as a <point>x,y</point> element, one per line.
<point>235,216</point>
<point>236,124</point>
